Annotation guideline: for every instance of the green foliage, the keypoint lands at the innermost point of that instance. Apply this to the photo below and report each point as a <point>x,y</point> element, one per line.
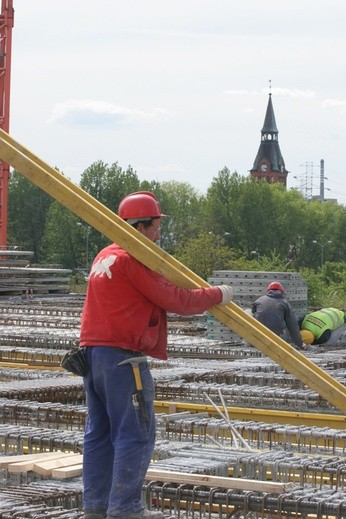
<point>326,286</point>
<point>60,242</point>
<point>205,253</point>
<point>28,207</point>
<point>222,204</point>
<point>185,209</point>
<point>239,224</point>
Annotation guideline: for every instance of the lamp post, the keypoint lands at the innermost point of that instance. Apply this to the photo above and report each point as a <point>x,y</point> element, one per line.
<point>87,232</point>
<point>322,245</point>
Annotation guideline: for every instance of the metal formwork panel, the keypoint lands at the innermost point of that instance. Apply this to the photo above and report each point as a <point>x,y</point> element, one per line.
<point>248,286</point>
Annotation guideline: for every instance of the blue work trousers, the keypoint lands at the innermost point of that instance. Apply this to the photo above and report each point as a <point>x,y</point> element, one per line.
<point>118,443</point>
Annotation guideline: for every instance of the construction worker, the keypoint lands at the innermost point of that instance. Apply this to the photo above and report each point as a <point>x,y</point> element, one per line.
<point>276,313</point>
<point>124,319</point>
<point>325,326</point>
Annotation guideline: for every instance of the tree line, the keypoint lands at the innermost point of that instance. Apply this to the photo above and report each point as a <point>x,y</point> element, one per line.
<point>239,224</point>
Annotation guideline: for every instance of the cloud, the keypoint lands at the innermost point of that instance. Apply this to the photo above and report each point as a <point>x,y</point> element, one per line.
<point>88,112</point>
<point>279,92</point>
<point>334,103</point>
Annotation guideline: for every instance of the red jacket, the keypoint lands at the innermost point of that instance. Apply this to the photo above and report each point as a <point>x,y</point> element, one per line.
<point>126,304</point>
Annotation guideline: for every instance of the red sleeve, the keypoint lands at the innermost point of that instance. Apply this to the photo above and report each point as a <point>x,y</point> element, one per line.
<point>169,296</point>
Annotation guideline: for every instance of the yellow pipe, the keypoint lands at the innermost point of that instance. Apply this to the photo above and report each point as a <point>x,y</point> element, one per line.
<point>109,224</point>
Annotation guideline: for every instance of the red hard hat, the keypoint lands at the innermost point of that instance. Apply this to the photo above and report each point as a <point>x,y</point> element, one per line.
<point>140,205</point>
<point>275,285</point>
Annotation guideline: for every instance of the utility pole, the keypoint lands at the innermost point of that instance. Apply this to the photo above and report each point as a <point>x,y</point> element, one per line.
<point>6,25</point>
<point>322,177</point>
<point>306,180</point>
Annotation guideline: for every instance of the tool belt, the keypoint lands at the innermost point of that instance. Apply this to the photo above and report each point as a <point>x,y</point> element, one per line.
<point>75,361</point>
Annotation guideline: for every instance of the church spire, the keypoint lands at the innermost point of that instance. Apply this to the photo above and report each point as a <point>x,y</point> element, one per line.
<point>269,125</point>
<point>269,164</point>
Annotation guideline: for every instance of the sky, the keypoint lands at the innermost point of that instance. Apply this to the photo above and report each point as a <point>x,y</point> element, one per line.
<point>178,89</point>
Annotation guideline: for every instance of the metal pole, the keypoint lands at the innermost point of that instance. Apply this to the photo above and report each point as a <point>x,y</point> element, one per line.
<point>87,230</point>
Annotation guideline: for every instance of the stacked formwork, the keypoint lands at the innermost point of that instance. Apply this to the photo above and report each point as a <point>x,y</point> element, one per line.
<point>248,286</point>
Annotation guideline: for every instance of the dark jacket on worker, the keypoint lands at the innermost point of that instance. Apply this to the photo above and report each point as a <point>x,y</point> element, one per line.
<point>276,313</point>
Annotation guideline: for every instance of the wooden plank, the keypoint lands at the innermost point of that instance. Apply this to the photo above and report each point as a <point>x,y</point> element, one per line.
<point>7,460</point>
<point>45,467</point>
<point>112,226</point>
<point>68,472</point>
<point>28,464</point>
<point>218,482</point>
<point>191,479</point>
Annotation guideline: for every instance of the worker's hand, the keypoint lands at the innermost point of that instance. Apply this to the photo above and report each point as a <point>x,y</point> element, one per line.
<point>227,294</point>
<point>303,347</point>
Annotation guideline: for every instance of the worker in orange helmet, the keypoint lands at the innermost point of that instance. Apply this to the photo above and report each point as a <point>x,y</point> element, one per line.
<point>124,319</point>
<point>276,313</point>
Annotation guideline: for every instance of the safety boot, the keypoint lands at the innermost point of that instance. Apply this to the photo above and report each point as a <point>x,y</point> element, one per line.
<point>95,514</point>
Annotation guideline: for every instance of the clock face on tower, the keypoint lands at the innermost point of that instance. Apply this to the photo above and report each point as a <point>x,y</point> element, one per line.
<point>264,167</point>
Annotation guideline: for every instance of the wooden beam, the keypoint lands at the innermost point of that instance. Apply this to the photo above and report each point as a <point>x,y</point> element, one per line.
<point>109,224</point>
<point>5,461</point>
<point>28,463</point>
<point>68,472</point>
<point>45,467</point>
<point>218,482</point>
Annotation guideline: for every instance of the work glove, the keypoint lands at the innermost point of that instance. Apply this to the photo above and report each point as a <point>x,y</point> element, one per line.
<point>227,294</point>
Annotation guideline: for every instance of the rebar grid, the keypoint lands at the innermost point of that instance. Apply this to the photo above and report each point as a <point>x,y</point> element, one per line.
<point>199,427</point>
<point>65,390</point>
<point>44,411</point>
<point>39,341</point>
<point>39,320</point>
<point>15,439</point>
<point>43,414</point>
<point>188,501</point>
<point>188,427</point>
<point>244,396</point>
<point>15,374</point>
<point>41,499</point>
<point>39,309</point>
<point>280,466</point>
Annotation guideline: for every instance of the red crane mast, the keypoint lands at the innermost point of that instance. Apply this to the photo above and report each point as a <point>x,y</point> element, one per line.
<point>6,25</point>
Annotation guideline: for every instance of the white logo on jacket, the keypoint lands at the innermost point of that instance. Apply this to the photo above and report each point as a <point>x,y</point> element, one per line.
<point>102,266</point>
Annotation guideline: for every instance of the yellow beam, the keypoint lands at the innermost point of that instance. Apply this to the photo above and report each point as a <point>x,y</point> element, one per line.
<point>109,224</point>
<point>332,421</point>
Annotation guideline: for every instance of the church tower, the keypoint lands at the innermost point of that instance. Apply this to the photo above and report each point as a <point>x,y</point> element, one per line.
<point>269,164</point>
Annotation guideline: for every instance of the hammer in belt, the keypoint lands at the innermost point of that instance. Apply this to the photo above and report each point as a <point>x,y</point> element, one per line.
<point>135,362</point>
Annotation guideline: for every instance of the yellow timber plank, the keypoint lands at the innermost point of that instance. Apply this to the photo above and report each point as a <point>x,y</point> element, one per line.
<point>109,224</point>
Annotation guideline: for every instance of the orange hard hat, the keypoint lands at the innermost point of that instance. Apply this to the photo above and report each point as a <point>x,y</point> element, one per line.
<point>142,205</point>
<point>275,285</point>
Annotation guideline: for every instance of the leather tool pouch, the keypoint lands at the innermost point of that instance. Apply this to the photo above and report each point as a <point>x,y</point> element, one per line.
<point>75,362</point>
